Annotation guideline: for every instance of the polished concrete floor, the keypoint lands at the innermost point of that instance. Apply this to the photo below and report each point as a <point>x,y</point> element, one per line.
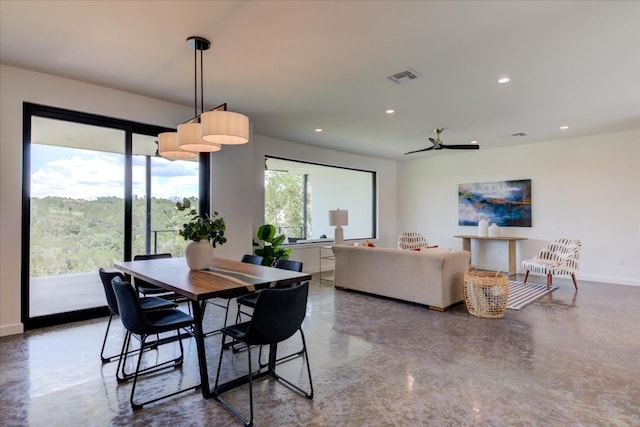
<point>569,359</point>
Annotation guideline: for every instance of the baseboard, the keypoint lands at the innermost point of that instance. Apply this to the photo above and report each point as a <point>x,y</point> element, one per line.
<point>593,278</point>
<point>6,330</point>
<point>608,279</point>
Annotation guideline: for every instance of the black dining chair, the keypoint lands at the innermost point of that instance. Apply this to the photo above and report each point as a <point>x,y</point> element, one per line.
<point>249,300</point>
<point>144,324</point>
<point>278,315</point>
<point>249,259</point>
<point>147,304</point>
<point>145,288</point>
<point>252,259</point>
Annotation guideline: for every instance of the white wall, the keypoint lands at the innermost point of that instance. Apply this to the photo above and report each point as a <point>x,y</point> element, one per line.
<point>342,189</point>
<point>586,188</point>
<point>237,180</point>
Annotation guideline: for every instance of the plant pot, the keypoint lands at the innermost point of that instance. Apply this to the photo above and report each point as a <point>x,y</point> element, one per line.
<point>199,254</point>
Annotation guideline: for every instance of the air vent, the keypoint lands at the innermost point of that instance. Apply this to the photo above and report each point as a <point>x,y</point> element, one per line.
<point>403,76</point>
<point>519,134</point>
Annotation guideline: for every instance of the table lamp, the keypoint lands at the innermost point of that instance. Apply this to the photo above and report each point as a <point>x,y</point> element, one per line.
<point>337,219</point>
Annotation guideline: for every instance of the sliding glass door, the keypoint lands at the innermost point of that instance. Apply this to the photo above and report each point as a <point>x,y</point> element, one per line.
<point>77,213</point>
<point>95,192</point>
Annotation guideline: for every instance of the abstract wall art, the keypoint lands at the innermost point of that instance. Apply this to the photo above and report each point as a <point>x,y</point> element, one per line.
<point>505,203</point>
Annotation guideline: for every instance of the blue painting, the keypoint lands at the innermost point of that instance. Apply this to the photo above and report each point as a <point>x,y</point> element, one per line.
<point>504,203</point>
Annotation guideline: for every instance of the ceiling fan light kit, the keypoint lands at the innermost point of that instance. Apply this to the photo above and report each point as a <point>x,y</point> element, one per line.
<point>208,131</point>
<point>438,145</point>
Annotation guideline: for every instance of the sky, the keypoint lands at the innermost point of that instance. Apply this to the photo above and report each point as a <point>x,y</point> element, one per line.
<point>87,174</point>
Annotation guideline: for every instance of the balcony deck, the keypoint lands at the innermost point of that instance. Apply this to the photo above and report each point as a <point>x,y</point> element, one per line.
<point>64,293</point>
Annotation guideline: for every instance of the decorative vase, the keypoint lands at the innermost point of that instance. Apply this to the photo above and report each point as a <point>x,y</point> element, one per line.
<point>494,231</point>
<point>483,227</point>
<point>199,254</point>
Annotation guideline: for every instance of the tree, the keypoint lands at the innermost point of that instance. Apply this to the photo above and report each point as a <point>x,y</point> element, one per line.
<point>284,203</point>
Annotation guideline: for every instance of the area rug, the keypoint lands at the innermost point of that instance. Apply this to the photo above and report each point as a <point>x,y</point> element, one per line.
<point>521,294</point>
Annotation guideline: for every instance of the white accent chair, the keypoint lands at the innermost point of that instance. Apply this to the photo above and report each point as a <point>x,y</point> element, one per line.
<point>558,257</point>
<point>413,240</point>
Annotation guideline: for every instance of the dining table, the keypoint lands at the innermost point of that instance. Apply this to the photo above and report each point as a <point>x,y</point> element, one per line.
<point>224,278</point>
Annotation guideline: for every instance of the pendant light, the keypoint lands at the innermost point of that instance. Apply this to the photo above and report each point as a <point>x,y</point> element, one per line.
<point>205,132</point>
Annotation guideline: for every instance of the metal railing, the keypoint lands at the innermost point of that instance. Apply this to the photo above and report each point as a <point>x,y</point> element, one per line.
<point>155,238</point>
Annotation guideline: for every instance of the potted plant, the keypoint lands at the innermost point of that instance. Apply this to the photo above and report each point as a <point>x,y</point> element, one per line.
<point>205,232</point>
<point>271,249</point>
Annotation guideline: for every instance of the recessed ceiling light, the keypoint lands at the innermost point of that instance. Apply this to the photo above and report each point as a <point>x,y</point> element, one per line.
<point>390,111</point>
<point>564,127</point>
<point>318,130</point>
<point>504,80</point>
<point>474,142</point>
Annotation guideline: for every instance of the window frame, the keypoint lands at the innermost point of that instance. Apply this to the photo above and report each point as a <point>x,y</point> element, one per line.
<point>374,198</point>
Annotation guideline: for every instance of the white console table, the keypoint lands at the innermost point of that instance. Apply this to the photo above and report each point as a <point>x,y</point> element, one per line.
<point>326,254</point>
<point>466,246</point>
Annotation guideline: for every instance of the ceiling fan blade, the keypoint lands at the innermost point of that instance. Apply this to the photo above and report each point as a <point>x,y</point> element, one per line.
<point>461,146</point>
<point>419,151</point>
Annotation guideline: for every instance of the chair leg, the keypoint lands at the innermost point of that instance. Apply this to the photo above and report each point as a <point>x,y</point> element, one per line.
<point>226,404</point>
<point>135,406</point>
<point>106,359</point>
<point>526,276</point>
<point>226,316</point>
<point>308,395</point>
<point>123,359</point>
<point>575,282</point>
<point>282,359</point>
<point>549,281</point>
<point>122,375</point>
<point>176,362</point>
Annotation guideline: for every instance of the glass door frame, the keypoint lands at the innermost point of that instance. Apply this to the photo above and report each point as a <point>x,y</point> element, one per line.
<point>129,128</point>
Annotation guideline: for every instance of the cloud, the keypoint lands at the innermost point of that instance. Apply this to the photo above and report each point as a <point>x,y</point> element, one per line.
<point>89,175</point>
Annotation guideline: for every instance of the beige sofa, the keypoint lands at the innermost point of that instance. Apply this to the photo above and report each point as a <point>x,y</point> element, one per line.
<point>433,277</point>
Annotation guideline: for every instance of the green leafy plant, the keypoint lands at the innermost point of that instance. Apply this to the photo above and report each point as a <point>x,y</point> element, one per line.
<point>202,227</point>
<point>271,249</point>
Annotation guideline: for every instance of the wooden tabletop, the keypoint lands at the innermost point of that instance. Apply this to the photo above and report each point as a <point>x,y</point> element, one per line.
<point>470,236</point>
<point>223,278</point>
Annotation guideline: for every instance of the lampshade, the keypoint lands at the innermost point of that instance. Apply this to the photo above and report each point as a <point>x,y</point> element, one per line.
<point>338,218</point>
<point>225,127</point>
<point>168,147</point>
<point>189,138</point>
<point>205,131</point>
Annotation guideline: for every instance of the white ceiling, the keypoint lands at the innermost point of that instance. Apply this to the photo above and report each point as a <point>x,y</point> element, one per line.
<point>293,66</point>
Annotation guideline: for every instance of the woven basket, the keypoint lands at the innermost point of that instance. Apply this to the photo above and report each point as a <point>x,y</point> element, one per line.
<point>486,293</point>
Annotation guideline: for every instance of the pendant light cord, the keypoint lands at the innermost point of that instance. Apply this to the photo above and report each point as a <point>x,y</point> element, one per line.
<point>201,83</point>
<point>195,83</point>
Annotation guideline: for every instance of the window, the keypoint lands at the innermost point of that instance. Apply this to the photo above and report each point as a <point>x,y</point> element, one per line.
<point>299,195</point>
<point>95,192</point>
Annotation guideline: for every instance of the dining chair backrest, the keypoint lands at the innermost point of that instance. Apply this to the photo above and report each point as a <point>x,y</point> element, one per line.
<point>252,259</point>
<point>289,264</point>
<point>143,283</point>
<point>106,277</point>
<point>131,313</point>
<point>278,314</point>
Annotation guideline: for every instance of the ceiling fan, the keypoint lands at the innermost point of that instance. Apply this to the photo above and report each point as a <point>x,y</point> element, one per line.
<point>438,145</point>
